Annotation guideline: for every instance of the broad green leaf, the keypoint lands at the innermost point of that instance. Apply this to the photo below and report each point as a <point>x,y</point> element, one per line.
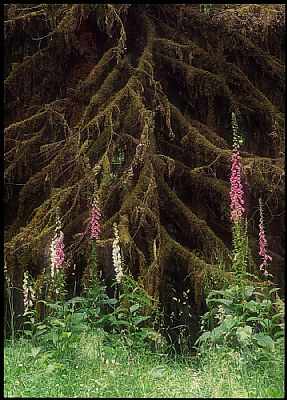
<point>76,300</point>
<point>67,317</point>
<point>244,333</point>
<point>78,317</point>
<point>254,319</point>
<point>203,337</point>
<point>279,334</point>
<point>226,293</point>
<point>265,323</point>
<point>35,351</point>
<point>273,393</point>
<point>52,367</point>
<point>252,305</point>
<point>216,334</point>
<point>134,307</point>
<point>259,294</point>
<point>264,340</point>
<point>44,302</point>
<point>140,319</point>
<point>121,310</point>
<point>143,334</point>
<point>279,315</point>
<point>73,337</point>
<point>66,335</point>
<point>228,323</point>
<point>40,332</point>
<point>120,322</point>
<point>40,327</point>
<point>57,323</point>
<point>109,301</point>
<point>274,290</point>
<point>55,306</point>
<point>248,291</point>
<point>55,338</point>
<point>222,301</point>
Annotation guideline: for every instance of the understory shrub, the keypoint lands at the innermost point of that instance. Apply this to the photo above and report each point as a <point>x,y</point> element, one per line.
<point>251,320</point>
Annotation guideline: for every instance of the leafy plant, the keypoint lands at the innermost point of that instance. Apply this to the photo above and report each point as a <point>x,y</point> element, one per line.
<point>245,319</point>
<point>95,306</point>
<point>55,330</point>
<point>131,313</point>
<point>123,317</point>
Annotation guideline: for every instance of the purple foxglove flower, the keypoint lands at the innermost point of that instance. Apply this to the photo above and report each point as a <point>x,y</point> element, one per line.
<point>95,221</point>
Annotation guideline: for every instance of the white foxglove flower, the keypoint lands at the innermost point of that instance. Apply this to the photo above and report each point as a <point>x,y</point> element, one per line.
<point>116,255</point>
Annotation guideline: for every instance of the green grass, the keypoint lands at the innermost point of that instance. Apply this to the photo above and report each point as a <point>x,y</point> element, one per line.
<point>96,369</point>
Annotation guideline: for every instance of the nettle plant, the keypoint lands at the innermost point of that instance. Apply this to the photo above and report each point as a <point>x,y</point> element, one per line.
<point>244,315</point>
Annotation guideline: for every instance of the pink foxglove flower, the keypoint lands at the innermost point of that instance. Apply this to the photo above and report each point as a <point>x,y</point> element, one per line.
<point>29,293</point>
<point>57,252</point>
<point>263,242</point>
<point>25,290</point>
<point>95,222</point>
<point>116,254</point>
<point>236,191</point>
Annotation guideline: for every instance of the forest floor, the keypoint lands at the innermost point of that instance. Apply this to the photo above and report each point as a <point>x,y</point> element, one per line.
<point>93,368</point>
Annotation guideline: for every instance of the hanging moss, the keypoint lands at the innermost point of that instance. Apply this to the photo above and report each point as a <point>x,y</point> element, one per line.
<point>159,84</point>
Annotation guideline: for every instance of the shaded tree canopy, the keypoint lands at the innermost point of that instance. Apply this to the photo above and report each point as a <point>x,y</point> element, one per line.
<point>139,99</point>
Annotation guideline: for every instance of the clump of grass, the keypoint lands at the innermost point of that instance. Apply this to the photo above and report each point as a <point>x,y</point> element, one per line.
<point>231,374</point>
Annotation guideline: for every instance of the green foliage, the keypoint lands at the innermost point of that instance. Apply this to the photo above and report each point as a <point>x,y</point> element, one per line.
<point>95,307</point>
<point>128,319</point>
<point>247,319</point>
<point>240,250</point>
<point>125,318</point>
<point>57,331</point>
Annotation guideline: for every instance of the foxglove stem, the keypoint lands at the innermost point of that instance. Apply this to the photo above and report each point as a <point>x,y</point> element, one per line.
<point>116,254</point>
<point>263,242</point>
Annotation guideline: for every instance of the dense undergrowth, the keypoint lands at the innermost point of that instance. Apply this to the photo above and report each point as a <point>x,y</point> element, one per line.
<point>100,346</point>
<point>84,352</point>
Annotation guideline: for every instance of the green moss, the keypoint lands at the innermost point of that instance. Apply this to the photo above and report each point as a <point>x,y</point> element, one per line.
<point>101,97</point>
<point>197,230</point>
<point>203,276</point>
